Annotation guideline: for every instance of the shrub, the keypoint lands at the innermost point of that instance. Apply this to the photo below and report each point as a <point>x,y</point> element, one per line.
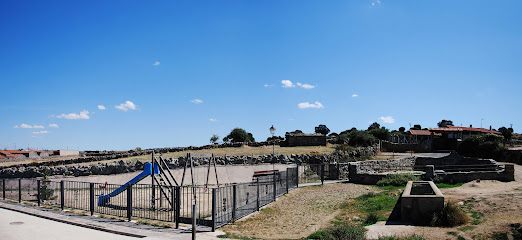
<point>397,180</point>
<point>483,146</point>
<point>344,148</point>
<point>450,216</point>
<point>345,231</point>
<point>372,218</point>
<point>360,139</point>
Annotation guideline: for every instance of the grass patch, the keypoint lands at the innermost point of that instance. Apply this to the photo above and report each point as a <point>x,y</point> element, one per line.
<point>448,185</point>
<point>398,180</point>
<point>154,223</point>
<point>345,231</point>
<point>375,203</point>
<point>450,216</point>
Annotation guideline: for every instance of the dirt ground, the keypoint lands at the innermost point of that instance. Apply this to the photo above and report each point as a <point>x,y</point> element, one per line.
<point>494,204</point>
<point>299,213</point>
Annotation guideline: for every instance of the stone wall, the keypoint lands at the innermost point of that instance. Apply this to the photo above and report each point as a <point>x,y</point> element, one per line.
<point>293,140</point>
<point>72,168</point>
<point>406,147</point>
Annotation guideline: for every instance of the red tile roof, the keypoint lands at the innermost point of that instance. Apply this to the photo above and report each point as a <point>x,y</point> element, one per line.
<point>8,154</point>
<point>422,133</point>
<point>463,129</point>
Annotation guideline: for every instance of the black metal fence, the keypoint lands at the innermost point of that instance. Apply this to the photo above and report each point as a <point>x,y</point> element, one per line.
<point>215,206</point>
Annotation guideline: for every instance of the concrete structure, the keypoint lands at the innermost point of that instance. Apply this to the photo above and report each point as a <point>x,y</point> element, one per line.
<point>67,152</point>
<point>454,132</point>
<point>419,201</point>
<point>304,139</point>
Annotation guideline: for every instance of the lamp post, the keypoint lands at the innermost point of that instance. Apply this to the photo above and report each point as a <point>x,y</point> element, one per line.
<point>272,131</point>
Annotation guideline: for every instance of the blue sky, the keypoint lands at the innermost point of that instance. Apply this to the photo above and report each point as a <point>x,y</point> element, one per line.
<point>348,63</point>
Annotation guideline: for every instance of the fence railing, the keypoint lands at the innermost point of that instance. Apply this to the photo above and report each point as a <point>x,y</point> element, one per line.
<point>215,206</point>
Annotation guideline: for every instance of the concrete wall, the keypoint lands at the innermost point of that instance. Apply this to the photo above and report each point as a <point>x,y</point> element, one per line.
<point>68,153</point>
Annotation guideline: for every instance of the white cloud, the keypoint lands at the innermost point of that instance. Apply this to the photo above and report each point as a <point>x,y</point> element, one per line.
<point>196,101</point>
<point>268,85</point>
<point>355,95</point>
<point>388,119</point>
<point>41,132</point>
<point>74,116</point>
<point>287,84</point>
<point>101,107</point>
<point>156,63</point>
<point>53,125</point>
<point>307,86</point>
<point>128,105</point>
<point>310,105</point>
<point>23,125</point>
<point>213,120</point>
<point>375,3</point>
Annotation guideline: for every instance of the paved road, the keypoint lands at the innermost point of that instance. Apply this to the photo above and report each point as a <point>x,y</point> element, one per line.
<point>18,226</point>
<point>15,225</point>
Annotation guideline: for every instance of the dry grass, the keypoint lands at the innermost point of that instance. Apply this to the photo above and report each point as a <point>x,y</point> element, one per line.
<point>245,150</point>
<point>297,214</point>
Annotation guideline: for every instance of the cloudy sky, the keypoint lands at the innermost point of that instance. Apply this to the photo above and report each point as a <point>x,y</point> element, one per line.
<point>125,74</point>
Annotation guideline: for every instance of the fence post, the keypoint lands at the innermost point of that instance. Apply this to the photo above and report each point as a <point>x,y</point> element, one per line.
<point>297,176</point>
<point>38,191</point>
<point>129,202</point>
<point>62,195</point>
<point>19,190</point>
<point>322,173</point>
<point>172,202</point>
<point>178,205</point>
<point>257,180</point>
<point>91,198</point>
<point>214,205</point>
<point>286,180</point>
<point>3,188</point>
<point>274,185</point>
<point>234,197</point>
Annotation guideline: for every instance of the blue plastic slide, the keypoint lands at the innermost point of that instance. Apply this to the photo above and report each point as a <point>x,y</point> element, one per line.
<point>147,170</point>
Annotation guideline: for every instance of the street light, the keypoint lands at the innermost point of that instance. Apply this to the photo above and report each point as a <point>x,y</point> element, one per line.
<point>272,131</point>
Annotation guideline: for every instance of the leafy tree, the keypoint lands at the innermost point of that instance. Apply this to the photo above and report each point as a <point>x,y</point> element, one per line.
<point>374,126</point>
<point>416,127</point>
<point>445,123</point>
<point>138,149</point>
<point>402,129</point>
<point>214,138</point>
<point>348,131</point>
<point>239,135</point>
<point>275,138</point>
<point>46,192</point>
<point>296,132</point>
<point>482,146</point>
<point>506,132</point>
<point>322,129</point>
<point>361,139</point>
<point>380,133</point>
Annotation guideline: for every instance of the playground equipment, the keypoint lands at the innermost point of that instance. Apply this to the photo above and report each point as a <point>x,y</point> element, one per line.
<point>147,170</point>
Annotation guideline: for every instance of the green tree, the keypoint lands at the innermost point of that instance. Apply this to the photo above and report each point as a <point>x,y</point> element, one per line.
<point>506,132</point>
<point>416,127</point>
<point>214,138</point>
<point>239,135</point>
<point>402,129</point>
<point>138,149</point>
<point>46,192</point>
<point>445,123</point>
<point>296,132</point>
<point>380,133</point>
<point>361,139</point>
<point>482,146</point>
<point>374,125</point>
<point>322,129</point>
